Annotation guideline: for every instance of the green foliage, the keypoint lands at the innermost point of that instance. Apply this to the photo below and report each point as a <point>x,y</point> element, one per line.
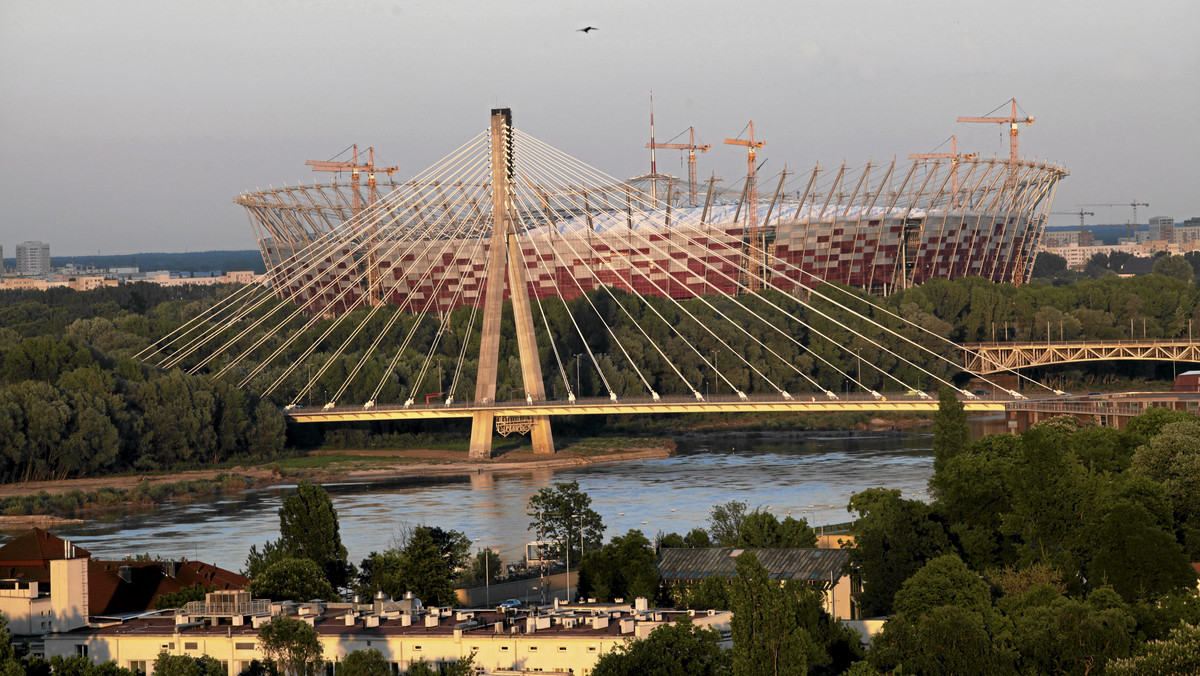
<point>943,581</point>
<point>182,597</point>
<point>420,566</point>
<point>185,665</point>
<point>556,514</point>
<point>1176,267</point>
<point>486,567</point>
<point>1071,637</point>
<point>308,527</point>
<point>950,432</point>
<point>945,640</point>
<point>293,579</point>
<point>1179,653</point>
<point>893,538</point>
<point>777,629</point>
<point>292,646</point>
<point>369,662</point>
<point>677,649</point>
<point>623,568</point>
<point>725,522</point>
<point>461,667</point>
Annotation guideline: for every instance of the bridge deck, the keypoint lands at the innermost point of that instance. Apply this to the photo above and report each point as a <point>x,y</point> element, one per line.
<point>806,403</point>
<point>996,357</point>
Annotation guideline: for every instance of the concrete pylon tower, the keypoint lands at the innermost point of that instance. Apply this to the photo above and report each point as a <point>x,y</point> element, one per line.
<point>505,265</point>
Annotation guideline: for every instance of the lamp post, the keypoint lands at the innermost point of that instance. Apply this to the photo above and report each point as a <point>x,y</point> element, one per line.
<point>578,380</point>
<point>487,574</point>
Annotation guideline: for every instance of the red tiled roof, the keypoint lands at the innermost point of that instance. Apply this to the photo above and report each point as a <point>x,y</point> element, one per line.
<point>37,546</point>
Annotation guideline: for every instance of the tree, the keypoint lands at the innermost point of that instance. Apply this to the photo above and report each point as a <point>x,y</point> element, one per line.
<point>179,599</point>
<point>725,522</point>
<point>464,666</point>
<point>1138,557</point>
<point>944,640</point>
<point>1177,654</point>
<point>623,568</point>
<point>308,529</point>
<point>1068,636</point>
<point>292,646</point>
<point>485,568</point>
<point>186,665</point>
<point>420,567</point>
<point>769,637</point>
<point>369,662</point>
<point>1176,267</point>
<point>676,649</point>
<point>762,529</point>
<point>950,431</point>
<point>893,538</point>
<point>556,513</point>
<point>293,579</point>
<point>1046,265</point>
<point>943,581</point>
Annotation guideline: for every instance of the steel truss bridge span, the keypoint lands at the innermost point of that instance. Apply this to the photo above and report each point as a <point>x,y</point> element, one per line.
<point>816,402</point>
<point>997,357</point>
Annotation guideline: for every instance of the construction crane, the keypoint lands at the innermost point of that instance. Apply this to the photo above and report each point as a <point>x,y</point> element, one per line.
<point>691,147</point>
<point>1081,213</point>
<point>357,202</point>
<point>1130,225</point>
<point>1014,122</point>
<point>755,241</point>
<point>954,158</point>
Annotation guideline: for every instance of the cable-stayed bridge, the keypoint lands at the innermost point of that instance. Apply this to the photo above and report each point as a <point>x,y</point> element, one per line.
<point>665,312</point>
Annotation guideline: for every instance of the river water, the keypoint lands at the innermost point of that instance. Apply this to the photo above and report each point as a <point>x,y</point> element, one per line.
<point>806,475</point>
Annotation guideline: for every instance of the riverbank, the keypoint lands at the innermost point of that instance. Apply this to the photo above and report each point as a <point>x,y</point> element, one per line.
<point>52,503</point>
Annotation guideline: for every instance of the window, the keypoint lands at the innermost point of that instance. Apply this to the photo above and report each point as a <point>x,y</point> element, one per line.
<point>191,645</point>
<point>562,648</point>
<point>503,648</point>
<point>81,649</point>
<point>533,649</point>
<point>137,666</point>
<point>417,648</point>
<point>591,649</point>
<point>248,645</point>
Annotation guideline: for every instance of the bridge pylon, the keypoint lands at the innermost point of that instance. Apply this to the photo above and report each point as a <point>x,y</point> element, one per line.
<point>505,266</point>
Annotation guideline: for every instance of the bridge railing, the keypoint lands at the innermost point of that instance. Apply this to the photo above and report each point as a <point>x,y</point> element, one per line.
<point>595,402</point>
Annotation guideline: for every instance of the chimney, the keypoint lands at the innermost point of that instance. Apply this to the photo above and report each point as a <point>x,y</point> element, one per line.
<point>378,602</point>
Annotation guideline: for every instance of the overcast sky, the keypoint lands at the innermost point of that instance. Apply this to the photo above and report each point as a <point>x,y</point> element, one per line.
<point>129,125</point>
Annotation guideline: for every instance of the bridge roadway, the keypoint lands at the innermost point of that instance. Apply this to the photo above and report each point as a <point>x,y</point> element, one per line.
<point>799,403</point>
<point>996,357</point>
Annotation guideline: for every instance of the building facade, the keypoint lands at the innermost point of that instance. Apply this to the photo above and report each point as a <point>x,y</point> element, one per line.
<point>33,259</point>
<point>565,639</point>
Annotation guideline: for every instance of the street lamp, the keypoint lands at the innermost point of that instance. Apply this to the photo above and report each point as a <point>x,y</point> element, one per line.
<point>487,575</point>
<point>578,380</point>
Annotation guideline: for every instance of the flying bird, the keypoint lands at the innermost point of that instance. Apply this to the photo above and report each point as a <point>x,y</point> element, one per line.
<point>589,28</point>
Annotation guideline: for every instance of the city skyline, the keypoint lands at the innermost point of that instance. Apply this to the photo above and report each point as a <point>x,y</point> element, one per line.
<point>137,123</point>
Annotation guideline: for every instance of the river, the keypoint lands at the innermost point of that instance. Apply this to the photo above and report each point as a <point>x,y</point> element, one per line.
<point>805,475</point>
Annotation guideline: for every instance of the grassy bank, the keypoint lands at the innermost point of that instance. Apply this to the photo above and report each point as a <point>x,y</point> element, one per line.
<point>146,493</point>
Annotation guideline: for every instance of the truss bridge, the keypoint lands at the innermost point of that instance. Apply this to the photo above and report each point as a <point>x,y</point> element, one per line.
<point>997,357</point>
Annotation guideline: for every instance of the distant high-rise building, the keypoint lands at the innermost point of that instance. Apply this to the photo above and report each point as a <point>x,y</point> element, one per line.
<point>33,259</point>
<point>1,259</point>
<point>1162,228</point>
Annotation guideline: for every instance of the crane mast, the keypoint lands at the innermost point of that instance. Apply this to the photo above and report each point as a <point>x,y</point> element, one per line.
<point>954,158</point>
<point>356,208</point>
<point>691,147</point>
<point>755,241</point>
<point>1013,123</point>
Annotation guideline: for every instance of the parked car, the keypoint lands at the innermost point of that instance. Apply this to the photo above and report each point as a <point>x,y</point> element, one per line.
<point>981,393</point>
<point>511,604</point>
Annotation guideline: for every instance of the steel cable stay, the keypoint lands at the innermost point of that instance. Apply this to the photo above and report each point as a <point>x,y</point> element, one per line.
<point>420,317</point>
<point>445,318</point>
<point>373,287</point>
<point>337,353</point>
<point>446,239</point>
<point>320,247</point>
<point>689,222</point>
<point>636,233</point>
<point>378,339</point>
<point>546,322</point>
<point>197,321</point>
<point>533,241</point>
<point>347,253</point>
<point>672,328</point>
<point>462,353</point>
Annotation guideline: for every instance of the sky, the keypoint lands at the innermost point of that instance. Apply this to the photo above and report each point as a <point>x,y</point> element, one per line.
<point>129,125</point>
